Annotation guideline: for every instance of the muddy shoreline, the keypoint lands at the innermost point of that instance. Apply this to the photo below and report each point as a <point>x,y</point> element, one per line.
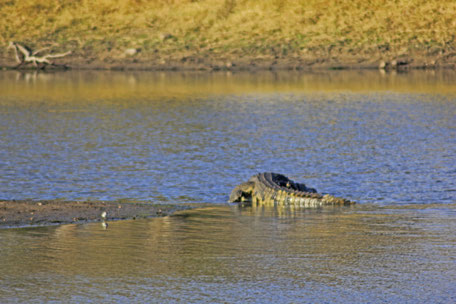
<point>27,213</point>
<point>244,63</point>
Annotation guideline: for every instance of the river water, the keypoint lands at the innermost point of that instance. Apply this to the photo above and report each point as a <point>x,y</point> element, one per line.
<point>386,141</point>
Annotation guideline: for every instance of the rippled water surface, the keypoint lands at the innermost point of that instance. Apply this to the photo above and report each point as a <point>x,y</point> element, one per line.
<point>387,141</point>
<point>230,255</point>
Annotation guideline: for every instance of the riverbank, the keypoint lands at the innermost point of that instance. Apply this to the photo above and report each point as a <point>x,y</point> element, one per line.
<point>233,35</point>
<point>418,61</point>
<point>23,213</point>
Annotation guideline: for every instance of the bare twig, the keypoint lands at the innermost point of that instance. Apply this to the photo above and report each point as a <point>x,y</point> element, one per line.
<point>25,55</point>
<point>40,50</point>
<point>11,45</point>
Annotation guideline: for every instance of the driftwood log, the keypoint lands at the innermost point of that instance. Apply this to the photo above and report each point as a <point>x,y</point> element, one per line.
<point>25,55</point>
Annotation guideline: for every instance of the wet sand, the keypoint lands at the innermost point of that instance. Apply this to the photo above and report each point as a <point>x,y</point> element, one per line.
<point>23,213</point>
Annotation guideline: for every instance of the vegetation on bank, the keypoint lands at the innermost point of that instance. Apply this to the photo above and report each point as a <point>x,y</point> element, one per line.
<point>231,28</point>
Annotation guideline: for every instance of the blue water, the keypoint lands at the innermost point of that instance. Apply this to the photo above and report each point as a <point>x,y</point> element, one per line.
<point>383,147</point>
<point>387,142</point>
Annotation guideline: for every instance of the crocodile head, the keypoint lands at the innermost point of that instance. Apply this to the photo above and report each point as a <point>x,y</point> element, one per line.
<point>242,193</point>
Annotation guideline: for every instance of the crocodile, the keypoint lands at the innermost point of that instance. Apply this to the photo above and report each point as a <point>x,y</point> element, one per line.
<point>276,189</point>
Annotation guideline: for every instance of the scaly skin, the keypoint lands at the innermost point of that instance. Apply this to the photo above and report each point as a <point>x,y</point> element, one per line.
<point>277,189</point>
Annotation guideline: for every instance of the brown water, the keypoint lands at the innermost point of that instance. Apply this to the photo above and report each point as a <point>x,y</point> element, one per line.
<point>227,255</point>
<point>387,141</point>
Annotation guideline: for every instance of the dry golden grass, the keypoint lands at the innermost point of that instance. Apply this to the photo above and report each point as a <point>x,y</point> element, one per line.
<point>232,27</point>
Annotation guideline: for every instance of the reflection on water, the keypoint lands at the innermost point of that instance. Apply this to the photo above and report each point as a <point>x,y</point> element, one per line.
<point>90,86</point>
<point>386,141</point>
<point>227,254</point>
<point>370,137</point>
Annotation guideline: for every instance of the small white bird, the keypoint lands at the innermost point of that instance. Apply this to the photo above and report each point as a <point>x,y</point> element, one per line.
<point>104,225</point>
<point>103,215</point>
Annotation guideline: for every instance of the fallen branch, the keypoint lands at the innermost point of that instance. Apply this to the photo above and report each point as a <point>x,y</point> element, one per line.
<point>25,55</point>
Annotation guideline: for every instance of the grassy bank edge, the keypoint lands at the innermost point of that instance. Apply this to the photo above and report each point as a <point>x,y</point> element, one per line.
<point>234,34</point>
